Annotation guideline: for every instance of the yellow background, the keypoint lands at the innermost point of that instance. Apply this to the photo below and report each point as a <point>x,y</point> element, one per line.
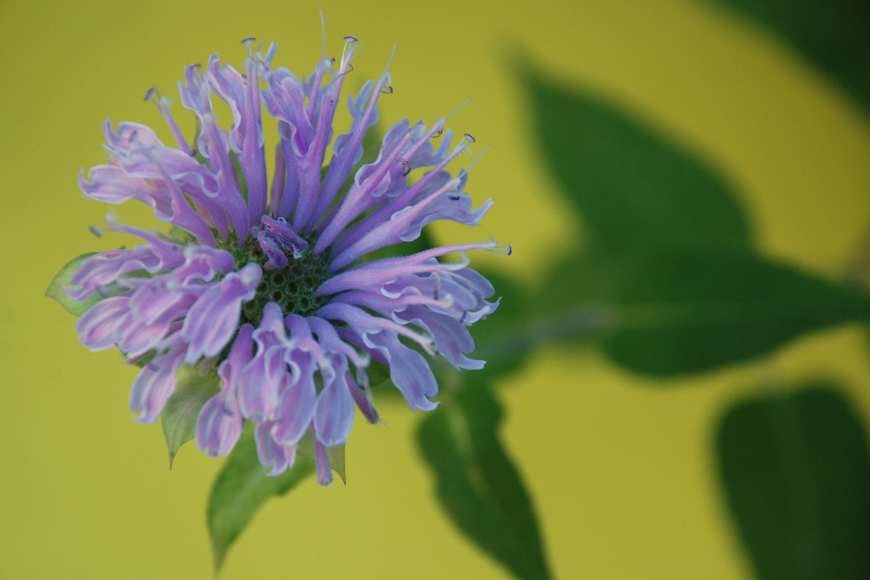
<point>620,467</point>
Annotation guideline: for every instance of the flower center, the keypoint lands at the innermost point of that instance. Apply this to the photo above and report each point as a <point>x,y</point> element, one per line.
<point>292,288</point>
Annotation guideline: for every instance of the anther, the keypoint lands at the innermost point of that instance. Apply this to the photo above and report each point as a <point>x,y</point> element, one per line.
<point>470,138</point>
<point>438,133</point>
<point>387,90</point>
<point>454,197</point>
<point>406,168</point>
<point>249,39</point>
<point>351,38</point>
<point>96,231</point>
<point>150,93</point>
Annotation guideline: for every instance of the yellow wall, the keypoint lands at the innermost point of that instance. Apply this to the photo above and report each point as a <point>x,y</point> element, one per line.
<point>619,467</point>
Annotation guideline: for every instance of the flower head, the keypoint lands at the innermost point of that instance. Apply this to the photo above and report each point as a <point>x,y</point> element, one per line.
<point>293,287</point>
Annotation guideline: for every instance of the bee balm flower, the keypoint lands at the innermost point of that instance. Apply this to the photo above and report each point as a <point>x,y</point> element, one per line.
<point>285,286</point>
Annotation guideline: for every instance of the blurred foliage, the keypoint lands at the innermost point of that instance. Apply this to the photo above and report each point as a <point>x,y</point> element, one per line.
<point>666,283</point>
<point>693,312</point>
<point>795,473</point>
<point>632,188</point>
<point>834,35</point>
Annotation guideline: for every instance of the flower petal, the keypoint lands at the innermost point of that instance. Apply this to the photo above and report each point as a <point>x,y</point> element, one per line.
<point>333,415</point>
<point>274,456</point>
<point>219,424</point>
<point>409,371</point>
<point>156,383</point>
<point>213,319</point>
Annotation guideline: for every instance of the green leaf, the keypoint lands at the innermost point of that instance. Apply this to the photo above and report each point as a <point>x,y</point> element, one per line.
<point>672,313</point>
<point>498,338</point>
<point>476,482</point>
<point>795,474</point>
<point>832,35</point>
<point>574,300</point>
<point>632,187</point>
<point>179,416</point>
<point>337,461</point>
<point>56,289</point>
<point>680,313</point>
<point>240,489</point>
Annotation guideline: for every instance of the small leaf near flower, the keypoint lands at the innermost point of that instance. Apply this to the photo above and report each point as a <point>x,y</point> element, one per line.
<point>241,487</point>
<point>57,288</point>
<point>476,481</point>
<point>182,409</point>
<point>336,455</point>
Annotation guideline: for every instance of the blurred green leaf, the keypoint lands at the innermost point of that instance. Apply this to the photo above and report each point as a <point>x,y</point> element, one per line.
<point>496,338</point>
<point>56,289</point>
<point>632,187</point>
<point>240,489</point>
<point>477,483</point>
<point>179,416</point>
<point>795,473</point>
<point>681,313</point>
<point>834,35</point>
<point>574,300</point>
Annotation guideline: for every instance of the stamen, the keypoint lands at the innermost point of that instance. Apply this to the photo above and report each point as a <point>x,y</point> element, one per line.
<point>248,42</point>
<point>470,138</point>
<point>347,54</point>
<point>151,94</point>
<point>97,232</point>
<point>387,90</point>
<point>390,58</point>
<point>351,38</point>
<point>322,32</point>
<point>458,108</point>
<point>475,159</point>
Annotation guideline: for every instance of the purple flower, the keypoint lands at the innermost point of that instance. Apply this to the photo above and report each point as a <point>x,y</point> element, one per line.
<point>292,288</point>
